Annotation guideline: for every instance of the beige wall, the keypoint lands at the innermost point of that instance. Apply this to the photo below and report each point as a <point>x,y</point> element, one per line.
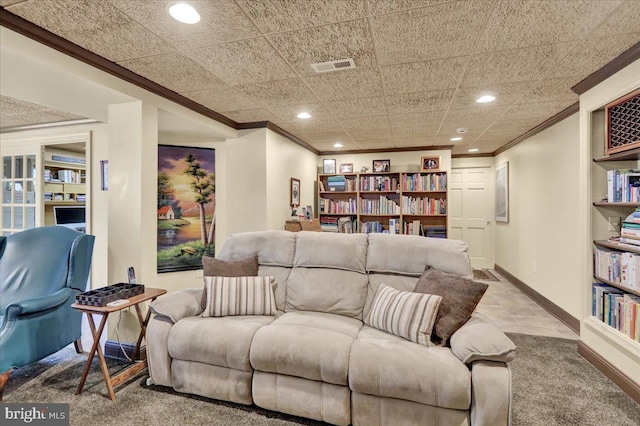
<point>404,161</point>
<point>286,160</point>
<point>541,244</point>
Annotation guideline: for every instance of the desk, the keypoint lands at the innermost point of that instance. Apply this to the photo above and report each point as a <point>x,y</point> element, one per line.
<point>149,294</point>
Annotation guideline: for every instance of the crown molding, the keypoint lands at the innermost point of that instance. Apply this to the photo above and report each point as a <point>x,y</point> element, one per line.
<point>377,150</point>
<point>625,58</point>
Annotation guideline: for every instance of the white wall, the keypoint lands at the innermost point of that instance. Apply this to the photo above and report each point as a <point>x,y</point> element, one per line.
<point>285,160</point>
<point>542,243</point>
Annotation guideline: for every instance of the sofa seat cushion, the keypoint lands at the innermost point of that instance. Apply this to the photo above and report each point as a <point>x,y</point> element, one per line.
<point>310,345</point>
<point>222,341</point>
<point>385,365</point>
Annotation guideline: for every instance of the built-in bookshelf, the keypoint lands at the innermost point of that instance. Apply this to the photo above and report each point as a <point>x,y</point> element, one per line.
<point>64,181</point>
<point>615,269</point>
<point>394,202</point>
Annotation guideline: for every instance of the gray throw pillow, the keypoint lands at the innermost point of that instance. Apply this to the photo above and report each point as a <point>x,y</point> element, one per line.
<point>460,296</point>
<point>227,268</point>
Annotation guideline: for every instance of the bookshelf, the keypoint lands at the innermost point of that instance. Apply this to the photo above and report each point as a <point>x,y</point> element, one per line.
<point>407,202</point>
<point>64,181</point>
<point>613,286</point>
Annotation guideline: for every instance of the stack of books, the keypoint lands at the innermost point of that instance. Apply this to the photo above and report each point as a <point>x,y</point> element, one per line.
<point>630,233</point>
<point>617,309</point>
<point>336,183</point>
<point>436,231</point>
<point>623,186</point>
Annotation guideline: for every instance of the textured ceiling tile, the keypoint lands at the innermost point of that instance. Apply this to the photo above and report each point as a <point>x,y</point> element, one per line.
<point>385,6</point>
<point>592,54</point>
<point>556,89</point>
<point>516,125</point>
<point>423,76</point>
<point>38,117</point>
<point>361,107</point>
<point>222,98</point>
<point>242,62</point>
<point>288,113</point>
<point>326,137</point>
<point>278,16</point>
<point>377,144</point>
<point>311,126</point>
<point>516,24</point>
<point>96,26</point>
<point>363,134</point>
<point>364,123</point>
<point>623,20</point>
<point>174,71</point>
<point>327,43</point>
<point>279,92</point>
<point>347,146</point>
<point>506,94</point>
<point>466,139</point>
<point>349,84</point>
<point>514,65</point>
<point>12,121</point>
<point>249,115</point>
<point>476,120</point>
<point>220,21</point>
<point>9,105</point>
<point>419,102</point>
<point>5,3</point>
<point>538,111</point>
<point>440,31</point>
<point>413,142</point>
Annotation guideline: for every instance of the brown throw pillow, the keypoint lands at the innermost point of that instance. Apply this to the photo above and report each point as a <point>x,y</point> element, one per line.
<point>228,268</point>
<point>460,296</point>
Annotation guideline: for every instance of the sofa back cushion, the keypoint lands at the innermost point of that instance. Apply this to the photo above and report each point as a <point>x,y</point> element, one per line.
<point>327,250</point>
<point>273,248</point>
<point>397,281</point>
<point>280,275</point>
<point>326,290</point>
<point>410,254</point>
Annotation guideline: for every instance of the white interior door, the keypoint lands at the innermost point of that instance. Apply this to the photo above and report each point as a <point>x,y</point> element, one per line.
<point>20,204</point>
<point>471,213</point>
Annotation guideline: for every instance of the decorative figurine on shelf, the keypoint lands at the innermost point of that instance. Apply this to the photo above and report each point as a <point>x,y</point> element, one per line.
<point>294,212</point>
<point>364,169</point>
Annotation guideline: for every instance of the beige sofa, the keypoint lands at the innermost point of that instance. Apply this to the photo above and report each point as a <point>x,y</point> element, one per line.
<point>317,359</point>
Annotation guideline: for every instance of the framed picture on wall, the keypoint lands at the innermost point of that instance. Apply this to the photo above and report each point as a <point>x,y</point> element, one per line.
<point>329,167</point>
<point>346,168</point>
<point>429,163</point>
<point>381,165</point>
<point>502,192</point>
<point>295,192</point>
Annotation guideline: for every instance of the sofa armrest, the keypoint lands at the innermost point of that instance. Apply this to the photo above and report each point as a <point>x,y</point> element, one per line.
<point>38,304</point>
<point>479,339</point>
<point>178,305</point>
<point>490,394</point>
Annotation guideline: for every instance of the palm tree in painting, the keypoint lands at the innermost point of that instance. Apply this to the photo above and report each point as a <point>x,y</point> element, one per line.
<point>203,185</point>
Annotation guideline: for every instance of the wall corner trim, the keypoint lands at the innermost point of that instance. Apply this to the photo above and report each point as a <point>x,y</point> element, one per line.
<point>555,310</point>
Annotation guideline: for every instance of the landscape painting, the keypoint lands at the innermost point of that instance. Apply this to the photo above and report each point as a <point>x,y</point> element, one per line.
<point>186,207</point>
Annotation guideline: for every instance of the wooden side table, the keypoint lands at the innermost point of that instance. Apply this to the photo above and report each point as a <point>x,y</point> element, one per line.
<point>149,294</point>
<point>303,225</point>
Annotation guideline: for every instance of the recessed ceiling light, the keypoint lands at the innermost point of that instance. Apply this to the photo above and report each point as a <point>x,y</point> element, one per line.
<point>456,139</point>
<point>304,115</point>
<point>338,145</point>
<point>461,130</point>
<point>486,98</point>
<point>474,150</point>
<point>184,13</point>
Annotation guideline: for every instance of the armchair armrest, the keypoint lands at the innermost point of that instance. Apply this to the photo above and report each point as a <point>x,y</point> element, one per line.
<point>38,304</point>
<point>479,339</point>
<point>178,305</point>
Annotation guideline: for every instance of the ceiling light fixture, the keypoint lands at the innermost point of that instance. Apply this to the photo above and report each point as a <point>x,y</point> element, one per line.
<point>474,150</point>
<point>485,99</point>
<point>461,130</point>
<point>338,145</point>
<point>304,115</point>
<point>456,139</point>
<point>184,13</point>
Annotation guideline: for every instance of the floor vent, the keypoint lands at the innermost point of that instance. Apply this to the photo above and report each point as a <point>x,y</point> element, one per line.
<point>340,64</point>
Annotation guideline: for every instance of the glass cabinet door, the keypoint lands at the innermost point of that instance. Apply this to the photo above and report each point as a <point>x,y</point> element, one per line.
<point>18,204</point>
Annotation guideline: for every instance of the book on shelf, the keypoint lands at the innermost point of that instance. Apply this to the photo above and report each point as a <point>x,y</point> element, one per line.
<point>378,183</point>
<point>327,205</point>
<point>619,267</point>
<point>436,231</point>
<point>623,185</point>
<point>423,205</point>
<point>424,182</point>
<point>381,205</point>
<point>617,309</point>
<point>340,224</point>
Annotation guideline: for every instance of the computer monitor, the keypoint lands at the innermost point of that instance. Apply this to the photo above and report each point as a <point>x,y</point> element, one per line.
<point>73,217</point>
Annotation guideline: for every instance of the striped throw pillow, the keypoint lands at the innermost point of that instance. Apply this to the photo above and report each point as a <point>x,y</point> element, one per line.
<point>232,296</point>
<point>403,313</point>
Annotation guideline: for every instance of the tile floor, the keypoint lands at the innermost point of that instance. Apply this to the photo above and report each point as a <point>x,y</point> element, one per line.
<point>514,312</point>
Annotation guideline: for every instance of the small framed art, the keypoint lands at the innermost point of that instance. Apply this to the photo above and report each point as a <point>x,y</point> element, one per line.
<point>381,165</point>
<point>329,166</point>
<point>429,163</point>
<point>346,168</point>
<point>295,192</point>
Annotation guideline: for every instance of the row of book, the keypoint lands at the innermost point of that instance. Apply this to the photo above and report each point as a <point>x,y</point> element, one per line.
<point>618,309</point>
<point>623,185</point>
<point>344,224</point>
<point>382,205</point>
<point>423,205</point>
<point>327,205</point>
<point>619,267</point>
<point>378,183</point>
<point>65,176</point>
<point>422,182</point>
<point>338,183</point>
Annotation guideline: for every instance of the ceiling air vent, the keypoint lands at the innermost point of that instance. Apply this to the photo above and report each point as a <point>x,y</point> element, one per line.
<point>340,64</point>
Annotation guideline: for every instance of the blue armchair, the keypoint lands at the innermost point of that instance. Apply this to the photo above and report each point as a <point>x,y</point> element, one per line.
<point>41,271</point>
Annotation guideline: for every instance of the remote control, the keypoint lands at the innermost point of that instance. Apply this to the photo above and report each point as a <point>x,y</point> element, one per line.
<point>118,302</point>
